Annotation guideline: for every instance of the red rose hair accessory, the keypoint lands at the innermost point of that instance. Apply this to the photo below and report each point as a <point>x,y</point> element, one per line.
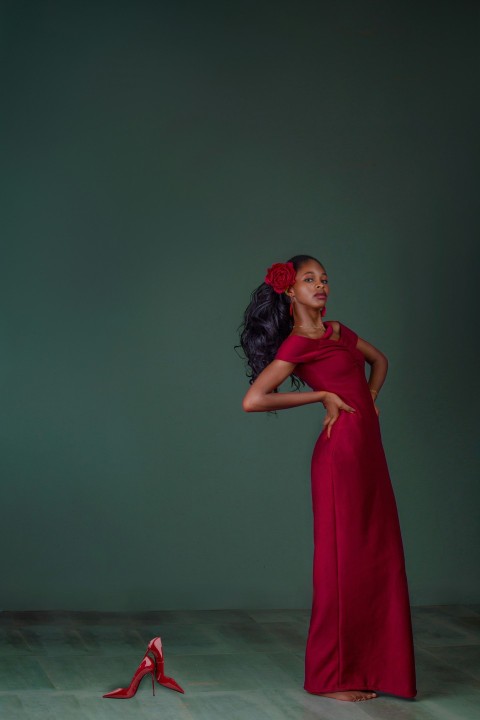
<point>281,276</point>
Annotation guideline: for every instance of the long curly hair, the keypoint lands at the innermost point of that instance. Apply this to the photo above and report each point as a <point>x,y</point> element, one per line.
<point>266,324</point>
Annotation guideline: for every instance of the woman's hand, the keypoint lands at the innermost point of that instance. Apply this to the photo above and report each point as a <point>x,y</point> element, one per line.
<point>333,404</point>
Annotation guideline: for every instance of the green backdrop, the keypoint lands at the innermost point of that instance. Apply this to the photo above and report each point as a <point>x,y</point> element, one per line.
<point>156,158</point>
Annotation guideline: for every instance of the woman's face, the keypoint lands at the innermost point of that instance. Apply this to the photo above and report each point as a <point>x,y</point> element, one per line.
<point>311,285</point>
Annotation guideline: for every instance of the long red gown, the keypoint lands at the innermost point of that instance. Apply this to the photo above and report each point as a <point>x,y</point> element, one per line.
<point>360,633</point>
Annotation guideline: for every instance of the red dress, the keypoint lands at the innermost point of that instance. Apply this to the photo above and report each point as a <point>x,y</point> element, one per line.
<point>360,634</point>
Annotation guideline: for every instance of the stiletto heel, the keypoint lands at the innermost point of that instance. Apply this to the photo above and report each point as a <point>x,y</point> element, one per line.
<point>155,647</point>
<point>147,666</point>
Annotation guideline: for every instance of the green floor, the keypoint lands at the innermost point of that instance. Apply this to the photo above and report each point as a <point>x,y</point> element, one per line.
<point>233,665</point>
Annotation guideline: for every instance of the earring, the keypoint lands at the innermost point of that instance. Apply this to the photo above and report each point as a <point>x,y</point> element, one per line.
<point>291,307</point>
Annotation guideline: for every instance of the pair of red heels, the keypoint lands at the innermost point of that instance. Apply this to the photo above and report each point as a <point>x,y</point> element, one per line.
<point>149,666</point>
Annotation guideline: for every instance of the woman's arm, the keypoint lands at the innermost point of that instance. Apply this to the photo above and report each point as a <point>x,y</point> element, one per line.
<point>378,365</point>
<point>260,397</point>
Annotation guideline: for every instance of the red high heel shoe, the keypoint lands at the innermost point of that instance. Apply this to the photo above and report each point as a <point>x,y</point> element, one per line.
<point>146,667</point>
<point>155,647</point>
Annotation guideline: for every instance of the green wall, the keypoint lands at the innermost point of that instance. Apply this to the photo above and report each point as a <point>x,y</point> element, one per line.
<point>156,158</point>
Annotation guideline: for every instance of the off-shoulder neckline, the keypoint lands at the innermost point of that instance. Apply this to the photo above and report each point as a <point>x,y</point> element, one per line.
<point>325,336</point>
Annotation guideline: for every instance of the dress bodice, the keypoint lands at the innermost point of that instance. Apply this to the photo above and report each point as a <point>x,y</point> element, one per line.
<point>327,364</point>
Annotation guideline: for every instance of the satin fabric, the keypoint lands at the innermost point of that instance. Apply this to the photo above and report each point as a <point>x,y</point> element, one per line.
<point>360,633</point>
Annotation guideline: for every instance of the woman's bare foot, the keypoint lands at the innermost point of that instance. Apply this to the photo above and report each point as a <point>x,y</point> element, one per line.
<point>350,695</point>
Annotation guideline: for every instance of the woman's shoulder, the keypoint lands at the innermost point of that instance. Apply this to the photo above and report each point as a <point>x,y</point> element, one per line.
<point>338,325</point>
<point>292,349</point>
<point>345,333</point>
<point>289,340</point>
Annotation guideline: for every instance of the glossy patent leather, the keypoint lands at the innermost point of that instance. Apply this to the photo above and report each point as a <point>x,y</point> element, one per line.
<point>155,648</point>
<point>146,667</point>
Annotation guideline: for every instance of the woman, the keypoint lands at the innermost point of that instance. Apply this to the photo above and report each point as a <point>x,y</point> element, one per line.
<point>360,634</point>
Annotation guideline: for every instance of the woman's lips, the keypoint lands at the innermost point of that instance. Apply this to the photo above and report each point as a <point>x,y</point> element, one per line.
<point>317,295</point>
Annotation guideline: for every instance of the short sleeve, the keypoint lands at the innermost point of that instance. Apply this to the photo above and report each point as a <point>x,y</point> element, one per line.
<point>348,336</point>
<point>289,351</point>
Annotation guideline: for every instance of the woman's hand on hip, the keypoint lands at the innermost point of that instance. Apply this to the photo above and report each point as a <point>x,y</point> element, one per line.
<point>333,404</point>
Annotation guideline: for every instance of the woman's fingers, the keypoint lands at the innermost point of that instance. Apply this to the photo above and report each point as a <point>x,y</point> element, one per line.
<point>329,427</point>
<point>330,419</point>
<point>328,422</point>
